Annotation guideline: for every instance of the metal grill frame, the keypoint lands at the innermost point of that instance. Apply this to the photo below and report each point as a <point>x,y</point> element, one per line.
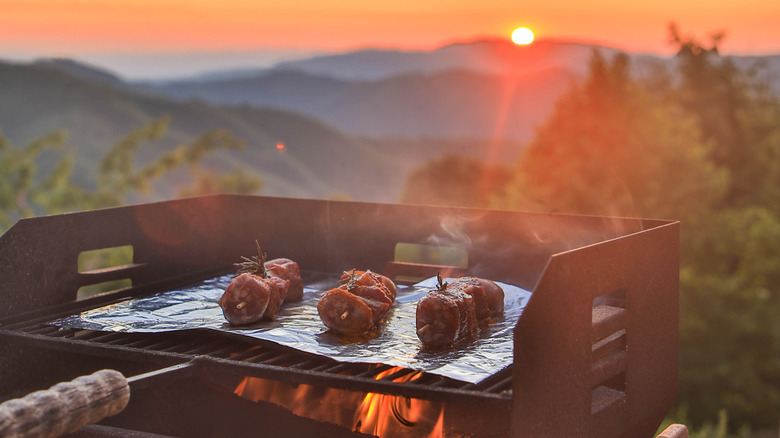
<point>609,369</point>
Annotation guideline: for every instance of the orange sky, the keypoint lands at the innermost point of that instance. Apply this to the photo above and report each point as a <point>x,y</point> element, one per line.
<point>74,27</point>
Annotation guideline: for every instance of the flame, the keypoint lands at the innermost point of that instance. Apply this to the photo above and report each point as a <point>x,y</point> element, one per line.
<point>376,414</point>
<point>390,415</point>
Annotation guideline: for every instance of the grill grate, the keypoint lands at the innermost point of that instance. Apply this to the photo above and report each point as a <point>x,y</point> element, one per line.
<point>270,361</point>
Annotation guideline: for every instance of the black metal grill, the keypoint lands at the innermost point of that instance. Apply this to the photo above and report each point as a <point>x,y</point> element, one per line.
<point>254,360</point>
<point>614,278</point>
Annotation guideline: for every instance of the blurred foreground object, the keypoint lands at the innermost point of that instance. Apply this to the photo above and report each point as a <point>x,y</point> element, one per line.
<point>65,407</point>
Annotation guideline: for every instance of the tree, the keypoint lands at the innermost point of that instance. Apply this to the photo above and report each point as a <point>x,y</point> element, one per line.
<point>730,330</point>
<point>736,111</point>
<point>455,180</point>
<point>25,193</point>
<point>700,145</point>
<point>729,325</point>
<point>611,148</point>
<point>19,185</point>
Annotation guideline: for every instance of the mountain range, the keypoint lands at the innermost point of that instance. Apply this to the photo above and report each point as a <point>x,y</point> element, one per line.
<point>456,91</point>
<point>352,124</point>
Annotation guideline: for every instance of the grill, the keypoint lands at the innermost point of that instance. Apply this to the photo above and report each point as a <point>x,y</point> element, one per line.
<point>595,351</point>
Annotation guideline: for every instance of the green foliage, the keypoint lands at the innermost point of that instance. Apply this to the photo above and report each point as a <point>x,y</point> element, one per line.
<point>104,258</point>
<point>19,167</point>
<point>737,113</point>
<point>612,148</point>
<point>729,327</point>
<point>456,180</point>
<point>37,100</point>
<point>701,145</point>
<point>730,277</point>
<point>717,429</point>
<point>206,182</point>
<point>120,178</point>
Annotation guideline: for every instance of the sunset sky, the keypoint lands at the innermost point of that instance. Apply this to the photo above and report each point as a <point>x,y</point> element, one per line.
<point>87,27</point>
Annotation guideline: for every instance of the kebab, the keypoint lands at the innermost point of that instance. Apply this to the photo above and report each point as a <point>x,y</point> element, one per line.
<point>254,294</point>
<point>358,303</point>
<point>454,312</point>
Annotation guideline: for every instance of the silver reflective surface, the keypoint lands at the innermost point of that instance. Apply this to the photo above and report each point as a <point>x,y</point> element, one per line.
<point>393,341</point>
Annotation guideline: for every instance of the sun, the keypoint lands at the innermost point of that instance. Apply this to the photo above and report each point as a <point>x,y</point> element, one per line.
<point>522,36</point>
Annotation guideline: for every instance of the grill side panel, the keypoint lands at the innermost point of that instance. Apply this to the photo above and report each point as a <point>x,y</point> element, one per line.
<point>610,370</point>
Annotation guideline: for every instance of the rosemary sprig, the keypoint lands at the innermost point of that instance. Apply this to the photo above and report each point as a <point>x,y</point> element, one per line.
<point>442,284</point>
<point>350,281</point>
<point>254,265</point>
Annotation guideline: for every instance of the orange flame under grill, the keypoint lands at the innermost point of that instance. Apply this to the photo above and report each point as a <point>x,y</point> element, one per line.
<point>376,414</point>
<point>390,415</point>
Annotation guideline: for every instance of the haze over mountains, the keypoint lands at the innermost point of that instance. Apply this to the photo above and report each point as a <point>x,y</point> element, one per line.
<point>353,124</point>
<point>457,91</point>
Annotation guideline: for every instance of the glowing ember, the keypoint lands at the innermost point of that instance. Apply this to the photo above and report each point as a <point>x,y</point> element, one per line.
<point>280,146</point>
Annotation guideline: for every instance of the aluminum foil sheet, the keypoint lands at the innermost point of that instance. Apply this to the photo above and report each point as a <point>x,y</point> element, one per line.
<point>393,342</point>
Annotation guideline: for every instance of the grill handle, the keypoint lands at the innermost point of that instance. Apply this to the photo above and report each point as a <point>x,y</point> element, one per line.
<point>65,407</point>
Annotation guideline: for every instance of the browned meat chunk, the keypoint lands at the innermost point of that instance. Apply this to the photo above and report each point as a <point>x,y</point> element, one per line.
<point>488,297</point>
<point>445,317</point>
<point>279,288</point>
<point>254,294</point>
<point>288,270</point>
<point>361,300</point>
<point>345,312</point>
<point>245,300</point>
<point>456,311</point>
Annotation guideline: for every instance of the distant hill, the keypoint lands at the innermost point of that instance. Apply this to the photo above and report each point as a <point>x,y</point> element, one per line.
<point>494,57</point>
<point>80,69</point>
<point>480,89</point>
<point>353,124</point>
<point>97,109</point>
<point>318,161</point>
<point>449,104</point>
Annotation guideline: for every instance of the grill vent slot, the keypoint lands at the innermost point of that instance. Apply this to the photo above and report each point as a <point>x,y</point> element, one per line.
<point>609,353</point>
<point>106,270</point>
<point>414,262</point>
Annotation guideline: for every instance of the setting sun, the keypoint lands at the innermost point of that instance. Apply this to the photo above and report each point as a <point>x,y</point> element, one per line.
<point>522,35</point>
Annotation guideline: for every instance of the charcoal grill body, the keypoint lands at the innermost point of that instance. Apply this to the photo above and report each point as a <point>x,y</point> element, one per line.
<point>595,350</point>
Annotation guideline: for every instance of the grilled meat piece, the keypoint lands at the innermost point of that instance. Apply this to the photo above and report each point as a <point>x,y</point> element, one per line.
<point>488,298</point>
<point>360,277</point>
<point>250,298</point>
<point>287,269</point>
<point>445,317</point>
<point>455,312</point>
<point>360,301</point>
<point>245,299</point>
<point>260,289</point>
<point>279,289</point>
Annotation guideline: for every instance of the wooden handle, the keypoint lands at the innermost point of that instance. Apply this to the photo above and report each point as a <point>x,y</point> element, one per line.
<point>65,407</point>
<point>674,431</point>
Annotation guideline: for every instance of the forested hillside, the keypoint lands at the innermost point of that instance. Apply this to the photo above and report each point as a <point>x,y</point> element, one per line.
<point>316,160</point>
<point>699,144</point>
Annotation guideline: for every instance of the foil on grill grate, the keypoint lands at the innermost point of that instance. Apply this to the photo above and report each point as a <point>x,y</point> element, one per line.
<point>298,326</point>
